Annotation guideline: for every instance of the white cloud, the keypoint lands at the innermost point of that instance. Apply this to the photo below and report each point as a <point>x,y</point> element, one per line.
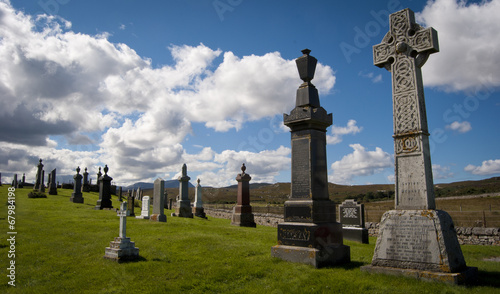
<point>359,163</point>
<point>88,90</point>
<point>441,172</point>
<point>461,127</point>
<point>371,75</point>
<point>488,167</point>
<point>122,27</point>
<point>468,42</point>
<point>338,132</point>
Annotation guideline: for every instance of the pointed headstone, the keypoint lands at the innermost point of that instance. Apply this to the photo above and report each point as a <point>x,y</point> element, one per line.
<point>52,184</point>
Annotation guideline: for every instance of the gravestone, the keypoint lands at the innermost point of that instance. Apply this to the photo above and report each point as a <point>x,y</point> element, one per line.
<point>42,184</point>
<point>165,199</point>
<point>14,182</point>
<point>24,178</point>
<point>0,179</point>
<point>352,218</point>
<point>86,184</point>
<point>121,248</point>
<point>53,184</point>
<point>242,212</point>
<point>198,202</point>
<point>415,239</point>
<point>145,208</point>
<point>158,198</point>
<point>171,204</point>
<point>310,233</point>
<point>36,187</point>
<point>120,194</point>
<point>183,208</point>
<point>130,205</point>
<point>99,175</point>
<point>104,201</point>
<point>77,196</point>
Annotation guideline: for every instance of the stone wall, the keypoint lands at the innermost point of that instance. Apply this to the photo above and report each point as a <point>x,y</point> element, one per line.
<point>466,235</point>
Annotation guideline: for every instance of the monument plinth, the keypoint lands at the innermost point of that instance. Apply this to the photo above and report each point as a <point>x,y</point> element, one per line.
<point>121,248</point>
<point>310,233</point>
<point>242,212</point>
<point>183,208</point>
<point>415,239</point>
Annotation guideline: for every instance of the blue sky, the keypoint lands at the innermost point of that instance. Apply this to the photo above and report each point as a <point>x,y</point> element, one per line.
<point>145,86</point>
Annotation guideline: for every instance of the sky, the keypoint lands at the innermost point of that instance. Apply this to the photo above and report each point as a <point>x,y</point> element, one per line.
<point>145,86</point>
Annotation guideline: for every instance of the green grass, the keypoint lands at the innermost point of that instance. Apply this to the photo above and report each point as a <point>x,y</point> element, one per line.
<point>60,248</point>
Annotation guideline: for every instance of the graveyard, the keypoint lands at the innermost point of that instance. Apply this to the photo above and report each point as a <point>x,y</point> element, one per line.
<point>84,238</point>
<point>60,247</point>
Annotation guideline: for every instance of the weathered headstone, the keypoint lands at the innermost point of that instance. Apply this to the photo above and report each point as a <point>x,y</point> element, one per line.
<point>171,204</point>
<point>242,212</point>
<point>77,196</point>
<point>0,179</point>
<point>120,194</point>
<point>415,239</point>
<point>121,249</point>
<point>24,178</point>
<point>165,199</point>
<point>14,182</point>
<point>130,207</point>
<point>36,187</point>
<point>352,218</point>
<point>183,208</point>
<point>310,233</point>
<point>42,184</point>
<point>86,185</point>
<point>198,202</point>
<point>99,175</point>
<point>158,198</point>
<point>52,184</point>
<point>104,201</point>
<point>145,208</point>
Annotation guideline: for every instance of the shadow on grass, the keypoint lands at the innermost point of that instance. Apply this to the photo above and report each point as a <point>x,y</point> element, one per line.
<point>486,278</point>
<point>137,259</point>
<point>349,266</point>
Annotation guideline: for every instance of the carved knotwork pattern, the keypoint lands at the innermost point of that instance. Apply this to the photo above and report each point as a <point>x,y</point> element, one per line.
<point>408,144</point>
<point>400,26</point>
<point>422,40</point>
<point>350,212</point>
<point>403,75</point>
<point>405,113</point>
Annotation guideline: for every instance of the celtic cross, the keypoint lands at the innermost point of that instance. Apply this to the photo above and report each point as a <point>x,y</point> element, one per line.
<point>403,51</point>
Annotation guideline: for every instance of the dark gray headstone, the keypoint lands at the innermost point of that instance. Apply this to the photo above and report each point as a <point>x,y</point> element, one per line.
<point>104,201</point>
<point>310,233</point>
<point>77,196</point>
<point>52,184</point>
<point>183,208</point>
<point>352,218</point>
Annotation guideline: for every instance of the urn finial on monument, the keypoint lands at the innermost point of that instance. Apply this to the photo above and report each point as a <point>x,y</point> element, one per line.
<point>307,94</point>
<point>78,170</point>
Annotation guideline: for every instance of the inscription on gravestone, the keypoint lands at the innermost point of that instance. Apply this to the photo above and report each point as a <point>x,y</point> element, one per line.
<point>300,173</point>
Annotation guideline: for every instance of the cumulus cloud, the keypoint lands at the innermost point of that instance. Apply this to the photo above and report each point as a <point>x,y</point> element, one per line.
<point>488,167</point>
<point>338,132</point>
<point>88,90</point>
<point>461,127</point>
<point>468,42</point>
<point>441,172</point>
<point>359,163</point>
<point>371,75</point>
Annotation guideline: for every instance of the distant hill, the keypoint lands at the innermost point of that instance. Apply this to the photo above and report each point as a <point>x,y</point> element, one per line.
<point>148,186</point>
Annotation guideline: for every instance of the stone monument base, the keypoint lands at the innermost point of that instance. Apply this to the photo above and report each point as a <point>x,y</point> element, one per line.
<point>467,276</point>
<point>199,212</point>
<point>106,205</point>
<point>422,244</point>
<point>318,245</point>
<point>243,216</point>
<point>142,217</point>
<point>76,198</point>
<point>158,218</point>
<point>183,210</point>
<point>326,256</point>
<point>355,234</point>
<point>121,249</point>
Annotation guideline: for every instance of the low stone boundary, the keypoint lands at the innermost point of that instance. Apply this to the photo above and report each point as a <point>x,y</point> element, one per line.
<point>466,235</point>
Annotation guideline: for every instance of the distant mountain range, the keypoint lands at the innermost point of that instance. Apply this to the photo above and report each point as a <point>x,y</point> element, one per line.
<point>147,186</point>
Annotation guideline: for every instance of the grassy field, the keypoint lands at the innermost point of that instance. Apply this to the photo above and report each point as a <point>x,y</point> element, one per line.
<point>60,247</point>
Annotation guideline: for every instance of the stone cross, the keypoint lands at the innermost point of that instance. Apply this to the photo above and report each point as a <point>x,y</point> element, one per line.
<point>122,213</point>
<point>403,51</point>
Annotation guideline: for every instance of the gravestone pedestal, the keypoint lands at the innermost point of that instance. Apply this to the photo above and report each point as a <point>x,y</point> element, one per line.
<point>415,239</point>
<point>310,233</point>
<point>122,249</point>
<point>104,201</point>
<point>77,196</point>
<point>242,212</point>
<point>183,208</point>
